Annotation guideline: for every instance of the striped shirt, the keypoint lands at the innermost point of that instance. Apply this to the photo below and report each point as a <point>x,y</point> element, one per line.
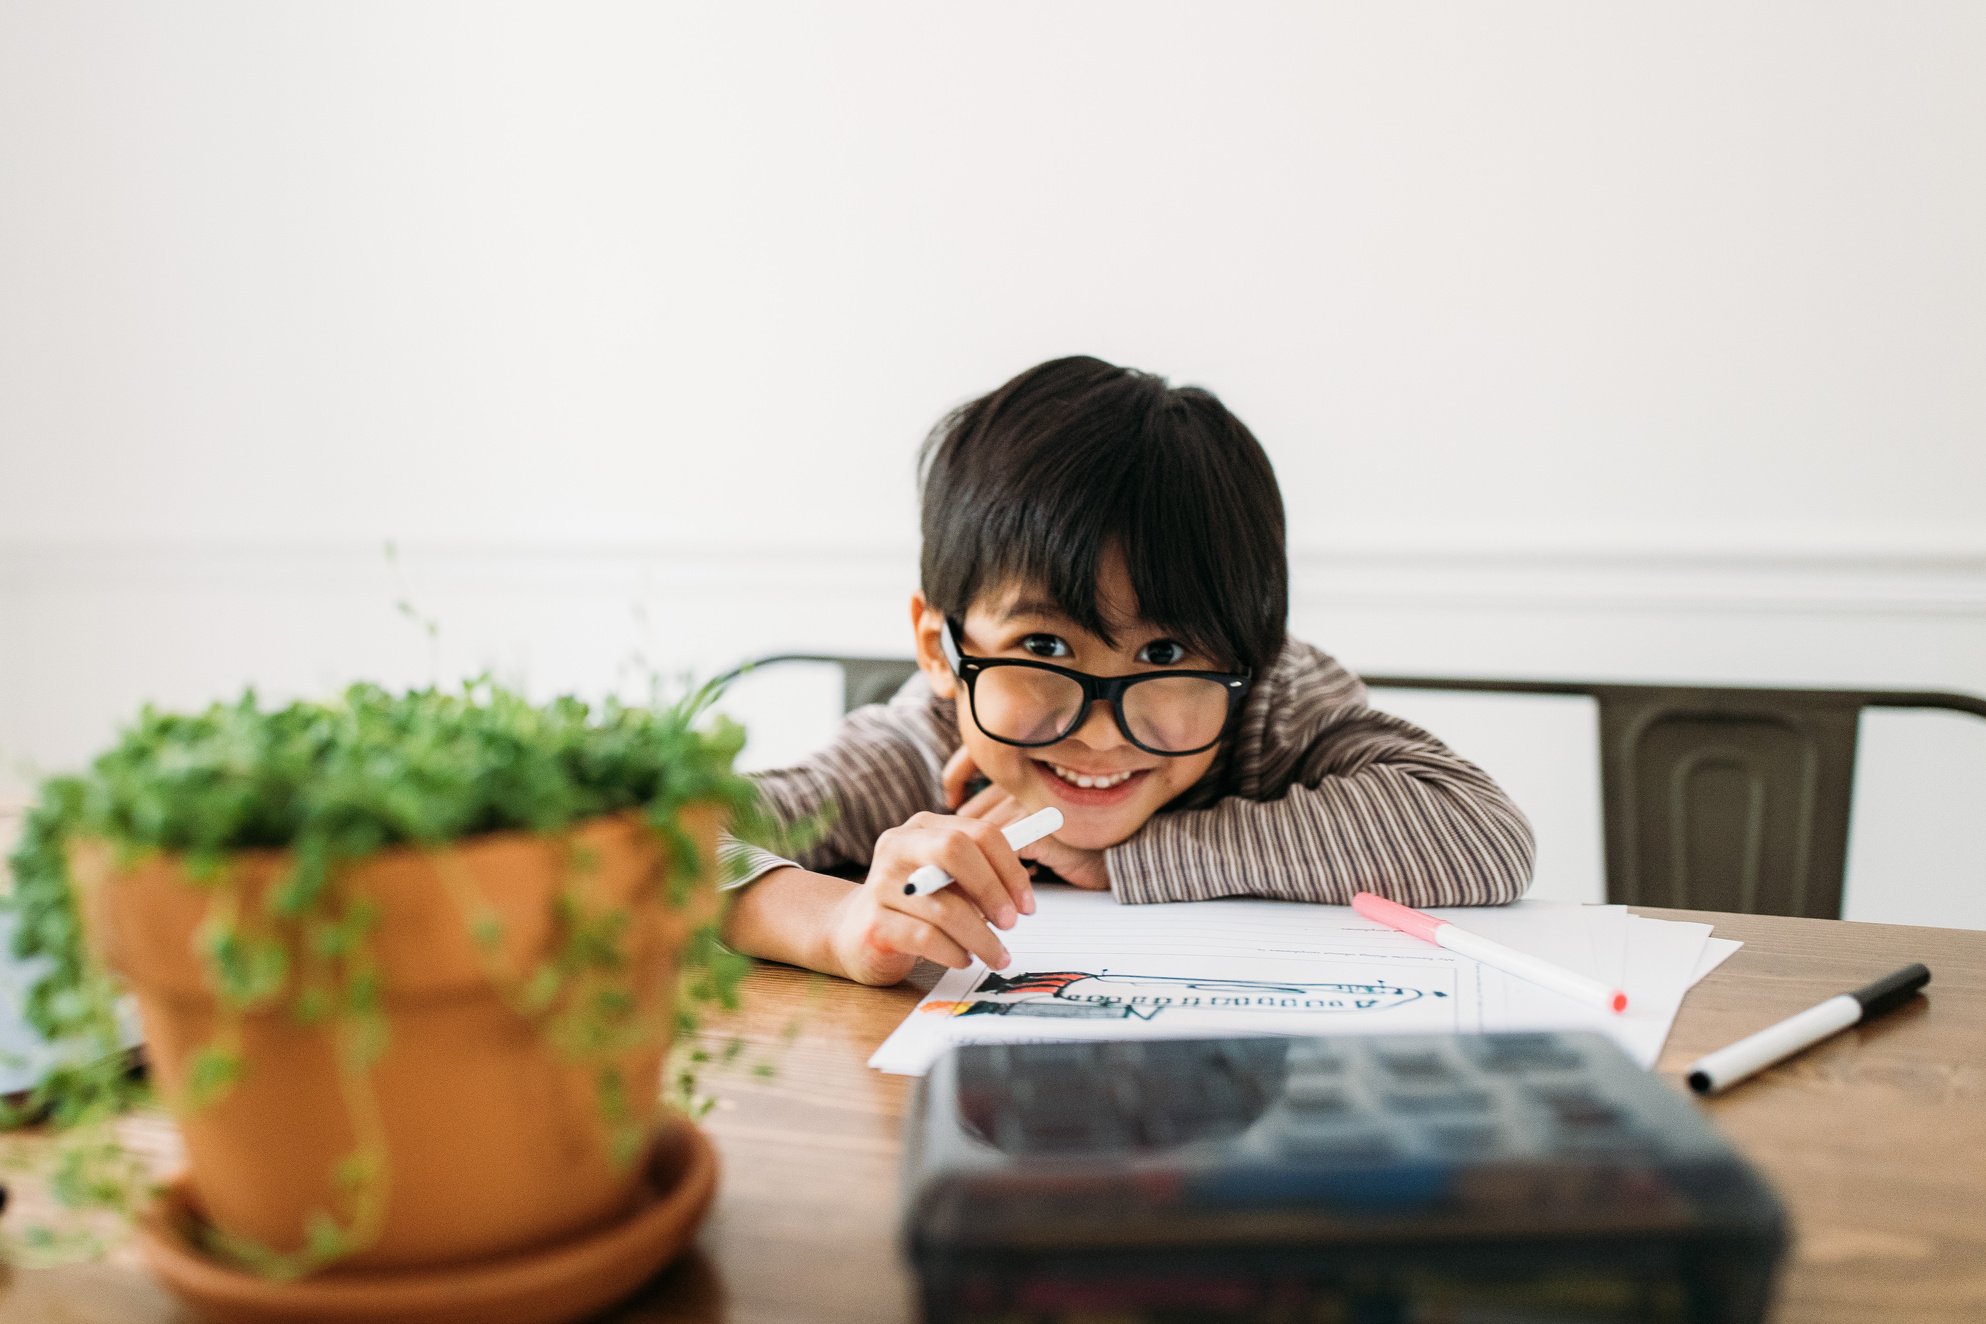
<point>1313,797</point>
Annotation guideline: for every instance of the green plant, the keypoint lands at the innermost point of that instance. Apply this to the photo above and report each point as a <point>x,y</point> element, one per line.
<point>333,783</point>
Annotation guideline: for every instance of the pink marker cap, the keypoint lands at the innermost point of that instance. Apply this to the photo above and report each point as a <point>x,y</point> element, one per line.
<point>1396,916</point>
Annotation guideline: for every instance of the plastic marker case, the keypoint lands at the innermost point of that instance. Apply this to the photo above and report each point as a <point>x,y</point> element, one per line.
<point>1385,1178</point>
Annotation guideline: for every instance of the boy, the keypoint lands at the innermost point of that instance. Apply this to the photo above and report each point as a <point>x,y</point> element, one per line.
<point>1101,629</point>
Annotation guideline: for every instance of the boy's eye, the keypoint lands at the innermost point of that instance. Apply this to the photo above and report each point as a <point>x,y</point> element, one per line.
<point>1045,645</point>
<point>1162,653</point>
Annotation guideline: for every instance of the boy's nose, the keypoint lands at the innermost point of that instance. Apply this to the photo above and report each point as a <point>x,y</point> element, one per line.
<point>1098,729</point>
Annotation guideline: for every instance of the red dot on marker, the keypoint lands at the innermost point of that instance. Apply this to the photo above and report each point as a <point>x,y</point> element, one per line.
<point>1620,1002</point>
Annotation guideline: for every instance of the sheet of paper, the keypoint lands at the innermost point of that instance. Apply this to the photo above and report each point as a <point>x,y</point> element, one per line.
<point>1661,957</point>
<point>1610,936</point>
<point>1655,973</point>
<point>1086,967</point>
<point>1715,953</point>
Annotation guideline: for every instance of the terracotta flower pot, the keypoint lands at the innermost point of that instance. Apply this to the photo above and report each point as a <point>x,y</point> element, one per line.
<point>495,1141</point>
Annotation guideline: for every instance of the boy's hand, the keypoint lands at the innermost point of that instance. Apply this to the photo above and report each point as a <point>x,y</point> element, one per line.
<point>1072,864</point>
<point>877,933</point>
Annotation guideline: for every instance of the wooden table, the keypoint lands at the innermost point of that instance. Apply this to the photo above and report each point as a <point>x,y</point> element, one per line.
<point>1876,1140</point>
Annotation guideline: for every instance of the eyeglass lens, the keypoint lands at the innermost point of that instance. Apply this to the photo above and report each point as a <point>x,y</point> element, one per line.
<point>1029,706</point>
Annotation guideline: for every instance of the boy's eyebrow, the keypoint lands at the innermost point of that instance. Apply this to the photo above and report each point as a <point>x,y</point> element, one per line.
<point>1038,607</point>
<point>1049,609</point>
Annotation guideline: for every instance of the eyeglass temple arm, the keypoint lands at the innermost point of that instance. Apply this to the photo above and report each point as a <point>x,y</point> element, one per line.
<point>950,646</point>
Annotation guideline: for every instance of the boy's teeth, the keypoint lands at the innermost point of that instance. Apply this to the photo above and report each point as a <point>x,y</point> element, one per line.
<point>1078,779</point>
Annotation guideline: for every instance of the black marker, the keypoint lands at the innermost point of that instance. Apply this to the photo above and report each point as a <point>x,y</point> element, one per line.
<point>1747,1057</point>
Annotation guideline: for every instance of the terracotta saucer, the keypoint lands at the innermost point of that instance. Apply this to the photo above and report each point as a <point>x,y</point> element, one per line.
<point>550,1285</point>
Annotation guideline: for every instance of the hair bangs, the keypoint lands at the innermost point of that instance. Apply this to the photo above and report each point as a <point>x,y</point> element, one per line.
<point>1033,485</point>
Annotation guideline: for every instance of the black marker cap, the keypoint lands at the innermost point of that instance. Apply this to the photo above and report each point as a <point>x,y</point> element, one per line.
<point>1891,990</point>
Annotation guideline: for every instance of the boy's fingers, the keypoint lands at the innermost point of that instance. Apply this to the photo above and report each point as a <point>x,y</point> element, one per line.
<point>918,937</point>
<point>972,851</point>
<point>992,804</point>
<point>964,852</point>
<point>1063,860</point>
<point>960,921</point>
<point>962,924</point>
<point>977,806</point>
<point>1007,866</point>
<point>959,769</point>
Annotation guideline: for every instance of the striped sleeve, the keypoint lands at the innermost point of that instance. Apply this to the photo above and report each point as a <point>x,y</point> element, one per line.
<point>1330,798</point>
<point>884,764</point>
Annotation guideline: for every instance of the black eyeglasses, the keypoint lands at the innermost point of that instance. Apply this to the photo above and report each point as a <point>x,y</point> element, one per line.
<point>1018,701</point>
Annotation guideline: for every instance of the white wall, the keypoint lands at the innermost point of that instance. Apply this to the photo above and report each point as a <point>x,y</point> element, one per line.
<point>1607,340</point>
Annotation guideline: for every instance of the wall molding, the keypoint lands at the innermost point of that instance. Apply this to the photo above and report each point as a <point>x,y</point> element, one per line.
<point>88,631</point>
<point>1595,576</point>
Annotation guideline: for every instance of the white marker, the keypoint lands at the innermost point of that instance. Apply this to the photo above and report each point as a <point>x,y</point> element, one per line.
<point>1775,1043</point>
<point>929,878</point>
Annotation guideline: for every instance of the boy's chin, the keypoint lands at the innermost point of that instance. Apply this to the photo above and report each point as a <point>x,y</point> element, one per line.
<point>1096,836</point>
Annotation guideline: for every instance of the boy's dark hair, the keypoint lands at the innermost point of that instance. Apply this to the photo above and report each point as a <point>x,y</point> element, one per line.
<point>1031,483</point>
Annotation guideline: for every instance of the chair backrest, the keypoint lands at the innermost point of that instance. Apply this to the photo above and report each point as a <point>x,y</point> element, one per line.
<point>1722,797</point>
<point>1714,797</point>
<point>864,680</point>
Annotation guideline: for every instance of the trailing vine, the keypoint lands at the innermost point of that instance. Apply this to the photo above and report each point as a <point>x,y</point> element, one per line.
<point>333,783</point>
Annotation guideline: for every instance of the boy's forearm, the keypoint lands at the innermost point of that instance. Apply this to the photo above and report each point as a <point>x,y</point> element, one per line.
<point>1421,842</point>
<point>787,915</point>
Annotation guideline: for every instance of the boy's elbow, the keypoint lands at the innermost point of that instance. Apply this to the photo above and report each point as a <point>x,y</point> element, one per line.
<point>1506,881</point>
<point>1509,858</point>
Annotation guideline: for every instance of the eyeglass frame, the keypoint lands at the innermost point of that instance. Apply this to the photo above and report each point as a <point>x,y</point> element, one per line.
<point>1106,689</point>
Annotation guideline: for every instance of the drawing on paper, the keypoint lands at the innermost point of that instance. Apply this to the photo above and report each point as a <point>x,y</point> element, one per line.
<point>1108,995</point>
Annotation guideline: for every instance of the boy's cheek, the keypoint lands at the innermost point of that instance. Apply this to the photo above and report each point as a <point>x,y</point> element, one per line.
<point>1001,765</point>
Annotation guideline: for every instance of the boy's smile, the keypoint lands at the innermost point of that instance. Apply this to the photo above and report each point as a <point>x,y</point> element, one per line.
<point>1071,789</point>
<point>1105,786</point>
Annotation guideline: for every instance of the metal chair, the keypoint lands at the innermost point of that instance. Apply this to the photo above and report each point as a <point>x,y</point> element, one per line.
<point>1713,797</point>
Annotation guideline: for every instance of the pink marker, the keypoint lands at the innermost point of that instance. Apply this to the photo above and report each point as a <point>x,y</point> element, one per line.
<point>1494,954</point>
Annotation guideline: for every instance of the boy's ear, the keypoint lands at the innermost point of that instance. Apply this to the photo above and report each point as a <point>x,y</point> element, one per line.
<point>927,623</point>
